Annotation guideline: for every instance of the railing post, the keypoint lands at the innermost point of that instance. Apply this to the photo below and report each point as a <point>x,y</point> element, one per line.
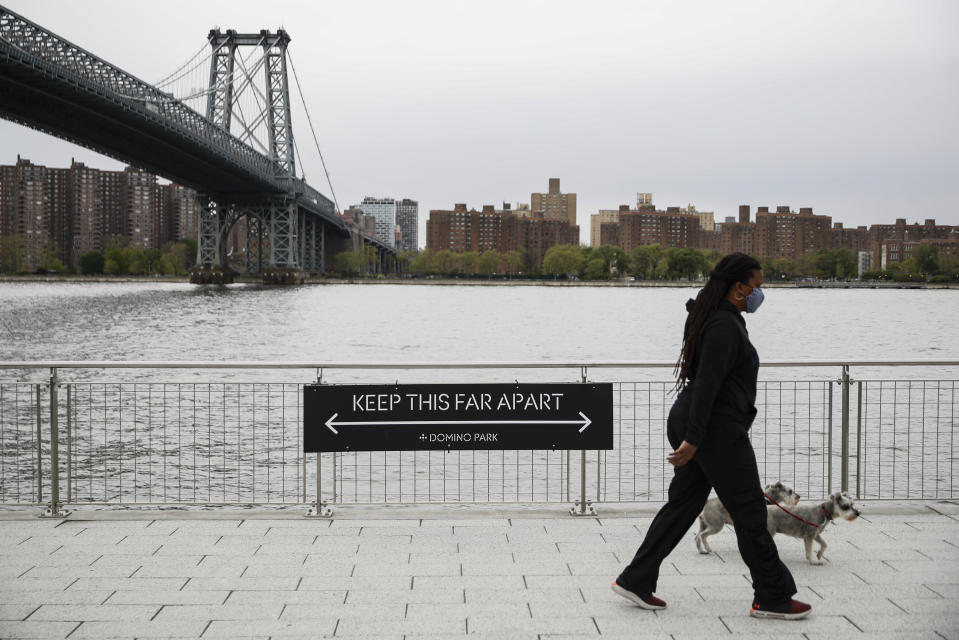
<point>53,510</point>
<point>829,443</point>
<point>585,506</point>
<point>844,381</point>
<point>319,508</point>
<point>858,437</point>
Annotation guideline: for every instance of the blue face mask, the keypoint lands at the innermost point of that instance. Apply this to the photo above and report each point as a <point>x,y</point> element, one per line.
<point>754,299</point>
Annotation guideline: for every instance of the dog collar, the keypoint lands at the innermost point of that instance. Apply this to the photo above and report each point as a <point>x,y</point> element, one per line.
<point>825,512</point>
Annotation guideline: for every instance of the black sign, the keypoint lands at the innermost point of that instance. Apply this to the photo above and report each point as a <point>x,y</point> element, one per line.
<point>452,416</point>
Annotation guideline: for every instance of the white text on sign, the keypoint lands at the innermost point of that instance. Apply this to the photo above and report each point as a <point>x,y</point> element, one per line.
<point>373,402</point>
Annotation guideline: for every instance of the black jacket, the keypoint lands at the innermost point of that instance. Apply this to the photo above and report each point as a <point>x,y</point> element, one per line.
<point>722,382</point>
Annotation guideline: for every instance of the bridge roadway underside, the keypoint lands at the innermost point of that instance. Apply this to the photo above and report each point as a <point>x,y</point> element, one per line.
<point>120,128</point>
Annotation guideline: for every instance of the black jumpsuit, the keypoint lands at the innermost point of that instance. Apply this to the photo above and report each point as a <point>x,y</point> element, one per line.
<point>714,413</point>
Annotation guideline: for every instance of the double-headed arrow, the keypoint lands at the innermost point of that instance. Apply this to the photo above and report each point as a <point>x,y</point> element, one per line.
<point>331,424</point>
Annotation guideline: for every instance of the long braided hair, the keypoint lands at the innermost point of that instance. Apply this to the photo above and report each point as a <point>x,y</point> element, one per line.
<point>736,267</point>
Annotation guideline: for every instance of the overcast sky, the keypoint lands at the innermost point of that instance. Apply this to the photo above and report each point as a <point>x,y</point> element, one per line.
<point>846,107</point>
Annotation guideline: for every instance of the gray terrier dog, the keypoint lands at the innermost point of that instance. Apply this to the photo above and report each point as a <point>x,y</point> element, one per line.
<point>808,522</point>
<point>715,515</point>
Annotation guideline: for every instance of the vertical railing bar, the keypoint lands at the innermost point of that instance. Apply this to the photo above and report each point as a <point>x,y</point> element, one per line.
<point>845,427</point>
<point>39,451</point>
<point>54,509</point>
<point>829,484</point>
<point>860,385</point>
<point>69,442</point>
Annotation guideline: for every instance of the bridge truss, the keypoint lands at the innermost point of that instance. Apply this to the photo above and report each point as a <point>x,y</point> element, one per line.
<point>52,85</point>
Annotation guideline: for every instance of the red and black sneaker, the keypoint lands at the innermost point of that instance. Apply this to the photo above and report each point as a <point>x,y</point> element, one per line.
<point>644,600</point>
<point>792,610</point>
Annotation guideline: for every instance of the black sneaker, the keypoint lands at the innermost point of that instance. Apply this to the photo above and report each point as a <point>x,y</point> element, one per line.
<point>792,610</point>
<point>644,600</point>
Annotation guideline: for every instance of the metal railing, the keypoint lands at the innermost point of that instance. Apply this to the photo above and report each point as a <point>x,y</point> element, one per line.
<point>146,442</point>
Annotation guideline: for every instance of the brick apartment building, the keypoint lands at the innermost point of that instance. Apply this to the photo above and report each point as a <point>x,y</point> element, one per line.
<point>71,211</point>
<point>645,225</point>
<point>460,230</point>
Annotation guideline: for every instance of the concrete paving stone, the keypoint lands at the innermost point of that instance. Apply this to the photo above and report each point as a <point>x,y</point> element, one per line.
<point>82,612</point>
<point>13,568</point>
<point>242,540</point>
<point>239,584</point>
<point>744,623</point>
<point>419,568</point>
<point>872,591</point>
<point>396,532</point>
<point>477,547</point>
<point>427,627</point>
<point>494,624</point>
<point>940,574</point>
<point>465,522</point>
<point>605,609</point>
<point>607,567</point>
<point>331,568</point>
<point>252,611</point>
<point>744,593</point>
<point>323,583</point>
<point>10,611</point>
<point>945,590</point>
<point>342,531</point>
<point>39,584</point>
<point>37,546</point>
<point>35,629</point>
<point>382,610</point>
<point>354,523</point>
<point>168,597</point>
<point>270,628</point>
<point>407,596</point>
<point>106,570</point>
<point>208,570</point>
<point>337,596</point>
<point>605,594</point>
<point>946,623</point>
<point>509,596</point>
<point>467,582</point>
<point>416,611</point>
<point>209,550</point>
<point>36,598</point>
<point>127,584</point>
<point>76,522</point>
<point>288,539</point>
<point>140,629</point>
<point>670,580</point>
<point>567,581</point>
<point>914,634</point>
<point>924,606</point>
<point>260,557</point>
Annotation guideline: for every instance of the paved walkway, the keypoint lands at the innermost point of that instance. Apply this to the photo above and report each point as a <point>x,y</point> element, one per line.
<point>452,572</point>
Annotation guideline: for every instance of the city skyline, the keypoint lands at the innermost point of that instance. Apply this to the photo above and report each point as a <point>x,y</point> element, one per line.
<point>846,108</point>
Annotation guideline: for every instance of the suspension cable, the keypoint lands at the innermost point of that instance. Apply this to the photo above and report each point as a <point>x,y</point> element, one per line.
<point>167,80</point>
<point>299,89</point>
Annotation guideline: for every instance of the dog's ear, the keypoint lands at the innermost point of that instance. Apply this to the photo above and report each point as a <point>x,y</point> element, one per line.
<point>836,496</point>
<point>779,485</point>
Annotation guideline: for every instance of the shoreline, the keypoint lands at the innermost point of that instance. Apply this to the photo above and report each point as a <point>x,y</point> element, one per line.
<point>451,282</point>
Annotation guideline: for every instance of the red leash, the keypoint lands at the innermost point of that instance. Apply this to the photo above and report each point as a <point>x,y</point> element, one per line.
<point>804,521</point>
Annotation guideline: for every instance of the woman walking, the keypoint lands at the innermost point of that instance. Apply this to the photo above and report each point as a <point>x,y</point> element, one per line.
<point>707,428</point>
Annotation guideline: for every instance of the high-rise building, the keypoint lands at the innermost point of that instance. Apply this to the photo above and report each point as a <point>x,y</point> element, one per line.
<point>786,234</point>
<point>407,219</point>
<point>596,222</point>
<point>460,230</point>
<point>384,211</point>
<point>555,205</point>
<point>63,213</point>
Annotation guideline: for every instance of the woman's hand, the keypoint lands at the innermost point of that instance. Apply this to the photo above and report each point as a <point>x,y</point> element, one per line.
<point>682,455</point>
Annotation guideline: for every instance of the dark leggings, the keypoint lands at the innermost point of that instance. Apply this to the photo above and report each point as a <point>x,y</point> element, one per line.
<point>724,461</point>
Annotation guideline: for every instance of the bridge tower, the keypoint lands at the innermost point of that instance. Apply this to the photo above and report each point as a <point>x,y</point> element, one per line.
<point>276,228</point>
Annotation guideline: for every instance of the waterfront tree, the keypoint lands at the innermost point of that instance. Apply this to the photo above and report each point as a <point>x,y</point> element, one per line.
<point>466,262</point>
<point>443,262</point>
<point>926,257</point>
<point>685,263</point>
<point>645,259</point>
<point>597,269</point>
<point>614,258</point>
<point>563,259</point>
<point>488,262</point>
<point>514,261</point>
<point>91,263</point>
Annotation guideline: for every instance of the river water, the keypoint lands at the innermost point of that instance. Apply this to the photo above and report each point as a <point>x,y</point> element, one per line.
<point>106,321</point>
<point>222,436</point>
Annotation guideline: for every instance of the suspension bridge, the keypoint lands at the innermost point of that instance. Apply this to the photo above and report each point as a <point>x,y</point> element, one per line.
<point>220,124</point>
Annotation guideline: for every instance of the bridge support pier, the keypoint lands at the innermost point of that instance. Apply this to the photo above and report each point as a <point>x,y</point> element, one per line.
<point>210,268</point>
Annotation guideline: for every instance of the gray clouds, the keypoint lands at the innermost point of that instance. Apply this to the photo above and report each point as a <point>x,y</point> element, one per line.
<point>847,107</point>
